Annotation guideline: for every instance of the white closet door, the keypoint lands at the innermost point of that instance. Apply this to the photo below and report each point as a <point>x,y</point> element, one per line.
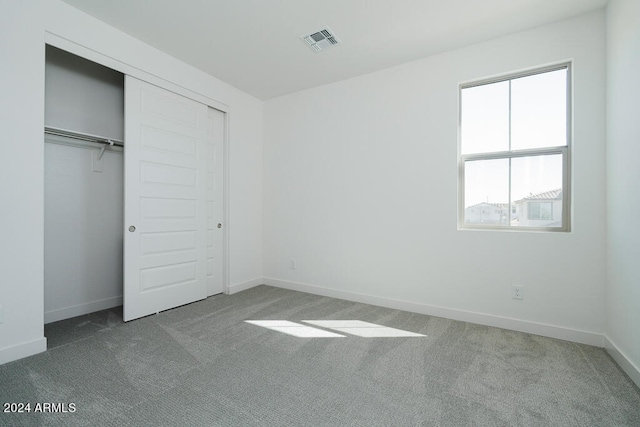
<point>215,176</point>
<point>165,247</point>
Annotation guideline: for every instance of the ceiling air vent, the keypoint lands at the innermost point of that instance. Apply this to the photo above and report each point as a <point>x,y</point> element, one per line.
<point>320,40</point>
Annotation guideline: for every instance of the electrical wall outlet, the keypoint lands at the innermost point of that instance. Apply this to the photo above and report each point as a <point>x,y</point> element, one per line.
<point>293,264</point>
<point>517,291</point>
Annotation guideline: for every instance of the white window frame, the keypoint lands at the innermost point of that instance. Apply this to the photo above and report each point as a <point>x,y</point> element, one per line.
<point>565,151</point>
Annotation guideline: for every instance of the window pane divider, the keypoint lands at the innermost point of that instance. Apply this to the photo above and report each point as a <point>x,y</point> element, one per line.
<point>509,203</point>
<point>513,154</point>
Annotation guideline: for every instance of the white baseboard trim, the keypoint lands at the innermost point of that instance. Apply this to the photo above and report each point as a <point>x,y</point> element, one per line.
<point>621,359</point>
<point>29,348</point>
<point>234,289</point>
<point>559,332</point>
<point>80,309</point>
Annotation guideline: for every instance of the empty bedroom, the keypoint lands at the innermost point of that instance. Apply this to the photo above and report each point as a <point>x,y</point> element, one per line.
<point>344,213</point>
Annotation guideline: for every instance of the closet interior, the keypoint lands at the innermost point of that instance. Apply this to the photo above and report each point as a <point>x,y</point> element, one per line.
<point>83,186</point>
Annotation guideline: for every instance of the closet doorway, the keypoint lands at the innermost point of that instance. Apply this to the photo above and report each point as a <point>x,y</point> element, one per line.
<point>83,186</point>
<point>133,216</point>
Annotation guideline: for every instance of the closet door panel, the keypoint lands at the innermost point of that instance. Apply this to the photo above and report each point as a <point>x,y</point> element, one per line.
<point>165,249</point>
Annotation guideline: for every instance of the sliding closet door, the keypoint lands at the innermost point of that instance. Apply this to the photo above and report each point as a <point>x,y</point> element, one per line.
<point>165,163</point>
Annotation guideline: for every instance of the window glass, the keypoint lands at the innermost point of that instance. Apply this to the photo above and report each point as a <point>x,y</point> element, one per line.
<point>539,110</point>
<point>485,118</point>
<point>487,192</point>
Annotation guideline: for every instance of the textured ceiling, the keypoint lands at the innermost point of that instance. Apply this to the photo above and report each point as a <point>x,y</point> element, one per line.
<point>254,45</point>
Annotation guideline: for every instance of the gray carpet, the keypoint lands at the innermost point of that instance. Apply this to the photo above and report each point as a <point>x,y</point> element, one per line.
<point>202,365</point>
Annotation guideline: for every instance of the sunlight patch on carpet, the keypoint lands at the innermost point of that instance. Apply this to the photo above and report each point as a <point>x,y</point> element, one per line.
<point>362,329</point>
<point>295,329</point>
<point>351,327</point>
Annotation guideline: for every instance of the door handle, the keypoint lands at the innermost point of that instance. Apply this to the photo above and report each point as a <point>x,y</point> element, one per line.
<point>219,225</point>
<point>132,228</point>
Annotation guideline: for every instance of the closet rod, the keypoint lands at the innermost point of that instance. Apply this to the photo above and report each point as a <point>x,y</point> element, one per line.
<point>82,136</point>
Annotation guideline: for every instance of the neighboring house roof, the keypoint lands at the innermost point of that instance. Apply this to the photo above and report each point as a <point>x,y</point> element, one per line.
<point>545,195</point>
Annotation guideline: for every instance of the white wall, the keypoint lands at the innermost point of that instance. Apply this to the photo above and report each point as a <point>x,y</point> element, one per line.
<point>245,203</point>
<point>83,225</point>
<point>83,96</point>
<point>623,176</point>
<point>360,187</point>
<point>22,48</point>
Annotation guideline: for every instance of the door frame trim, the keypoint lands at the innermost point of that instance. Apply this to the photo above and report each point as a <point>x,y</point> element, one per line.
<point>226,287</point>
